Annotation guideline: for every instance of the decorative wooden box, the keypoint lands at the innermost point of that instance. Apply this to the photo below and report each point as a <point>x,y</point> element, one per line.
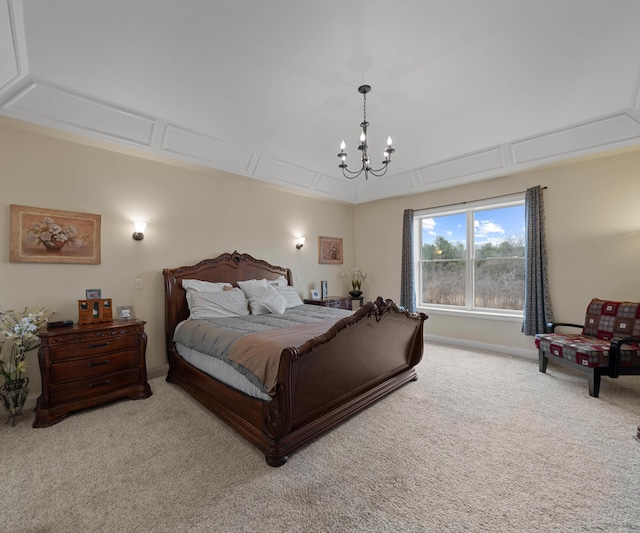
<point>95,311</point>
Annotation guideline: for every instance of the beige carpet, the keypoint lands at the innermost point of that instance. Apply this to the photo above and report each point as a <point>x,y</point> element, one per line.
<point>480,443</point>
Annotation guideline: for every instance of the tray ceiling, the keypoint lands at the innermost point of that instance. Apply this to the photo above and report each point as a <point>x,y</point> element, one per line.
<point>468,89</point>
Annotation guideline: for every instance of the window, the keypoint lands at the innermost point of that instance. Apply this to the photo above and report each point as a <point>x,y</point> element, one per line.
<point>472,257</point>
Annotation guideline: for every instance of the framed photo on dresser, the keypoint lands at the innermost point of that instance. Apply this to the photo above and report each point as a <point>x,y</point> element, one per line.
<point>126,312</point>
<point>92,294</point>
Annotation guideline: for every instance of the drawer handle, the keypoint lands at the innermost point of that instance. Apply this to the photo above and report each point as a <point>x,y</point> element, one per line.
<point>92,385</point>
<point>100,363</point>
<point>98,345</point>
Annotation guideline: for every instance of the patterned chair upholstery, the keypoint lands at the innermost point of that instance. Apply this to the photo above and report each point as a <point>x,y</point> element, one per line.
<point>609,344</point>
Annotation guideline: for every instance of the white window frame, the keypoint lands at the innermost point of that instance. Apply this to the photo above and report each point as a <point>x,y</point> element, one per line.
<point>469,208</point>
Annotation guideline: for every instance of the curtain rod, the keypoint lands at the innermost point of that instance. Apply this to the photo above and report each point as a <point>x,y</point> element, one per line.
<point>471,201</point>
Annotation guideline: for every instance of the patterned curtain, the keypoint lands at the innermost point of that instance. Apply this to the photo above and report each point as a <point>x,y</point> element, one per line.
<point>407,284</point>
<point>537,302</point>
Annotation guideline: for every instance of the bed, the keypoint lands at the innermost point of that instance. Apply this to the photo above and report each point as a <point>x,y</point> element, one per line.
<point>319,383</point>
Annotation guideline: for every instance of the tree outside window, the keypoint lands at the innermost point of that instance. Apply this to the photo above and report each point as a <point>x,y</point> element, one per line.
<point>472,257</point>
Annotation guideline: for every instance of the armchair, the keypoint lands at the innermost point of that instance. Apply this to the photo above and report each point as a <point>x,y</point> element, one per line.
<point>608,345</point>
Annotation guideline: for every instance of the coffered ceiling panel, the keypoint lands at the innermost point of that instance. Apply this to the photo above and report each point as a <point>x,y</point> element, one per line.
<point>9,60</point>
<point>194,146</point>
<point>55,106</point>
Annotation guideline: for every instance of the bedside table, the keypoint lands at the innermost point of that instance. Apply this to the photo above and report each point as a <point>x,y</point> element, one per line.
<point>342,302</point>
<point>88,365</point>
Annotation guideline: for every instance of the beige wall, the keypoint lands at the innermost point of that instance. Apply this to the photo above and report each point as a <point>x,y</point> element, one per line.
<point>593,241</point>
<point>593,232</point>
<point>192,214</point>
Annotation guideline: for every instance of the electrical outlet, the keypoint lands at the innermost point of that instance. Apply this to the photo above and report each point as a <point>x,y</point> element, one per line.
<point>138,283</point>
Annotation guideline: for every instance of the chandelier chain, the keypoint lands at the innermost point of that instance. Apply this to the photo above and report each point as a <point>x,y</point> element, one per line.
<point>364,106</point>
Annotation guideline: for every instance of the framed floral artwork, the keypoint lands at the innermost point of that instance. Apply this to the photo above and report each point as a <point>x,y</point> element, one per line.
<point>330,250</point>
<point>40,235</point>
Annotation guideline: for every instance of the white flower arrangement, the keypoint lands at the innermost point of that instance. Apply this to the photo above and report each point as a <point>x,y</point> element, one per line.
<point>357,277</point>
<point>20,333</point>
<point>49,233</point>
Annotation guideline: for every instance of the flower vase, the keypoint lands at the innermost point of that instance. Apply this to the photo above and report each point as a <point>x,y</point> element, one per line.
<point>53,246</point>
<point>14,394</point>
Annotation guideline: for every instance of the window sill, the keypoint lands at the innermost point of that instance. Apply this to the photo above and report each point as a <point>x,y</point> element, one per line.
<point>465,313</point>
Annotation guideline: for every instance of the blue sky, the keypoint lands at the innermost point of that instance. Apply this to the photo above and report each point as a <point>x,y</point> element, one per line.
<point>491,225</point>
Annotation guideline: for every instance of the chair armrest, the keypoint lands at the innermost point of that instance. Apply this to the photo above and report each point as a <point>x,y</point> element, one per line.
<point>551,326</point>
<point>625,340</point>
<point>614,353</point>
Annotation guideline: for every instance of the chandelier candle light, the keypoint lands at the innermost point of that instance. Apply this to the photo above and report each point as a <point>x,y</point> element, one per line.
<point>366,167</point>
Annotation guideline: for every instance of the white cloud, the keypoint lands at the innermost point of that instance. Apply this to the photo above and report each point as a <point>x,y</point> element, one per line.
<point>483,228</point>
<point>428,223</point>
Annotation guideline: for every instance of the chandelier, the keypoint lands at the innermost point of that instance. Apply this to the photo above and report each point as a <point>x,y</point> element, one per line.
<point>366,168</point>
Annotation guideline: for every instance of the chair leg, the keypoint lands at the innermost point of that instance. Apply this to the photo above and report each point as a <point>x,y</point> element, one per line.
<point>542,361</point>
<point>594,383</point>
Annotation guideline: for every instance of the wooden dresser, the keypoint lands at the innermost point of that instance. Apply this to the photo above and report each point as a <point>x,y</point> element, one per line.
<point>84,366</point>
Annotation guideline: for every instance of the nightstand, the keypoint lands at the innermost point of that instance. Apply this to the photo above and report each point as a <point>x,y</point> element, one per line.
<point>342,302</point>
<point>88,365</point>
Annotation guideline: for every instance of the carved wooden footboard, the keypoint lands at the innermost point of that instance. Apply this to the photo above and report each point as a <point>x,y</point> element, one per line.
<point>361,359</point>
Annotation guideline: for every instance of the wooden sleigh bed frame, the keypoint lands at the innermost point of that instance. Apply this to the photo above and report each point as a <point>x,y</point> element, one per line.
<point>361,359</point>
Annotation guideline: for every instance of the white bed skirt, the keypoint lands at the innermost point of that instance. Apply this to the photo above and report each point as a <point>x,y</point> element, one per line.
<point>220,370</point>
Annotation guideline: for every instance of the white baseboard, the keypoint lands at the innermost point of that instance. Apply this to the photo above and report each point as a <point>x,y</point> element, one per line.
<point>157,372</point>
<point>509,350</point>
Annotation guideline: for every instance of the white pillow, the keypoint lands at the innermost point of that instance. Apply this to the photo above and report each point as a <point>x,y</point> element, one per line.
<point>290,294</point>
<point>280,281</point>
<point>205,286</point>
<point>218,304</point>
<point>254,290</point>
<point>192,286</point>
<point>273,301</point>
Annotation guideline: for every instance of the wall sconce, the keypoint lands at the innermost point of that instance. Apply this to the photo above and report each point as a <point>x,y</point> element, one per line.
<point>138,234</point>
<point>300,242</point>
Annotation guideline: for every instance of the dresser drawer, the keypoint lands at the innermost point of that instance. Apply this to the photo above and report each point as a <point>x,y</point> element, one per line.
<point>94,347</point>
<point>339,304</point>
<point>93,366</point>
<point>332,301</point>
<point>94,387</point>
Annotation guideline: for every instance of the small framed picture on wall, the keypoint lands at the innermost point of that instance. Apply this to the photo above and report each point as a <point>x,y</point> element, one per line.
<point>330,250</point>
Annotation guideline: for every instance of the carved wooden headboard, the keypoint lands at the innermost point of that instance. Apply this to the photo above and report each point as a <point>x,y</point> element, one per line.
<point>229,268</point>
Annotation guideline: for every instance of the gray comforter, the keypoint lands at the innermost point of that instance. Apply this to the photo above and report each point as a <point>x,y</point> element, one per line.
<point>216,336</point>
